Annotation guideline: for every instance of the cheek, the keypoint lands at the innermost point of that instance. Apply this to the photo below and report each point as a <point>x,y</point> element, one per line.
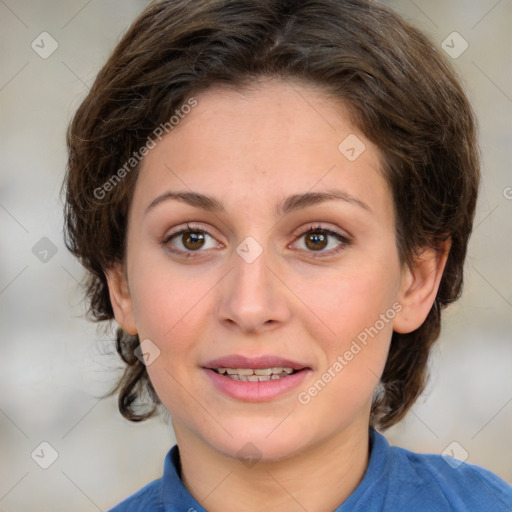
<point>349,301</point>
<point>165,297</point>
<point>356,306</point>
<point>359,312</point>
<point>170,310</point>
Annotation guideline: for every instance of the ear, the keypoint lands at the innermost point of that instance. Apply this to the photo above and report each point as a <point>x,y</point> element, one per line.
<point>120,298</point>
<point>418,288</point>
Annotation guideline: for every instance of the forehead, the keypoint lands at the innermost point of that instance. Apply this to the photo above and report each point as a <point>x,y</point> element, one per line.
<point>256,146</point>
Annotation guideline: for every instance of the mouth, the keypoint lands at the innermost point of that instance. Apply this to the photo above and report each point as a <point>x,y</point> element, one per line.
<point>255,379</point>
<point>255,374</point>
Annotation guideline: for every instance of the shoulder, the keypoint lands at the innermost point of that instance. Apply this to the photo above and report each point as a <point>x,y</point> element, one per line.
<point>400,480</point>
<point>160,494</point>
<point>450,483</point>
<point>147,498</point>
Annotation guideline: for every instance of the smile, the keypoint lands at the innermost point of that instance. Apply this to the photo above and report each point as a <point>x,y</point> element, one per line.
<point>255,379</point>
<point>255,374</point>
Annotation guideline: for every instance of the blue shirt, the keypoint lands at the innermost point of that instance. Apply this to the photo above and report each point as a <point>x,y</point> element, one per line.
<point>396,480</point>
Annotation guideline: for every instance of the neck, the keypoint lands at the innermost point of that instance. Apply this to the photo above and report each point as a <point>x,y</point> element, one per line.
<point>318,478</point>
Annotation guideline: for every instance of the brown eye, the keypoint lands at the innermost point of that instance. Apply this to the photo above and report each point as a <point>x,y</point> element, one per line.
<point>192,240</point>
<point>315,240</point>
<point>189,240</point>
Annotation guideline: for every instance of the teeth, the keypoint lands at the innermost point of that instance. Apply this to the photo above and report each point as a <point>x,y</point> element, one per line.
<point>263,371</point>
<point>279,370</point>
<point>245,371</point>
<point>255,375</point>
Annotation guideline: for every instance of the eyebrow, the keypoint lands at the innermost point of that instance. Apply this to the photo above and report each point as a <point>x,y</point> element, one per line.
<point>291,203</point>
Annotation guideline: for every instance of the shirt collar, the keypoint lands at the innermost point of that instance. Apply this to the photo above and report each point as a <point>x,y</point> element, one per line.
<point>377,471</point>
<point>175,496</point>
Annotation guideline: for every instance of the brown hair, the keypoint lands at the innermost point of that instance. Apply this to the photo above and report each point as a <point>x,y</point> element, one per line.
<point>400,92</point>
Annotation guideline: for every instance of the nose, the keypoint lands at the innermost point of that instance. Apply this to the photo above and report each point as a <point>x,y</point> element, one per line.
<point>253,297</point>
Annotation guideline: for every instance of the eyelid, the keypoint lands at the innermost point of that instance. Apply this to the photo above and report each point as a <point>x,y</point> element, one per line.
<point>320,227</point>
<point>189,227</point>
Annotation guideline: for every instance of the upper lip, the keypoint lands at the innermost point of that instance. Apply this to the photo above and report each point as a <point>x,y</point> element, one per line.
<point>263,361</point>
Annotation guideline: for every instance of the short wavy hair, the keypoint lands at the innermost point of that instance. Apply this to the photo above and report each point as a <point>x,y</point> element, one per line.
<point>400,92</point>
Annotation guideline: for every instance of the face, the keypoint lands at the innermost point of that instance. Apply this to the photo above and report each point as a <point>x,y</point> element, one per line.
<point>265,280</point>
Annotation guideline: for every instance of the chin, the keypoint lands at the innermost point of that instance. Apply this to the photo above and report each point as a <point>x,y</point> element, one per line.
<point>268,440</point>
<point>263,450</point>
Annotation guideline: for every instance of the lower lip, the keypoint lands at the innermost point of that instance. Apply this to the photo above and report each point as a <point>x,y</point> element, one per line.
<point>256,391</point>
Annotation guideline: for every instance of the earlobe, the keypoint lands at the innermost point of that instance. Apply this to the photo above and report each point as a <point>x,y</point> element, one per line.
<point>120,298</point>
<point>419,287</point>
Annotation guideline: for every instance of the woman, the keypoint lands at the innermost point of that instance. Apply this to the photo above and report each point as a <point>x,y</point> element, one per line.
<point>274,200</point>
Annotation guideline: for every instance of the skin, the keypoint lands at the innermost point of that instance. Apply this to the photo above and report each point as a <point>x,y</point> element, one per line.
<point>250,149</point>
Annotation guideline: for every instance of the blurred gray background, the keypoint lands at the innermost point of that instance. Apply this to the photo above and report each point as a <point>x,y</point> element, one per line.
<point>54,365</point>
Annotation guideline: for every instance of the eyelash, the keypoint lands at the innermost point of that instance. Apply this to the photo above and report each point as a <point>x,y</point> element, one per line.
<point>345,242</point>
